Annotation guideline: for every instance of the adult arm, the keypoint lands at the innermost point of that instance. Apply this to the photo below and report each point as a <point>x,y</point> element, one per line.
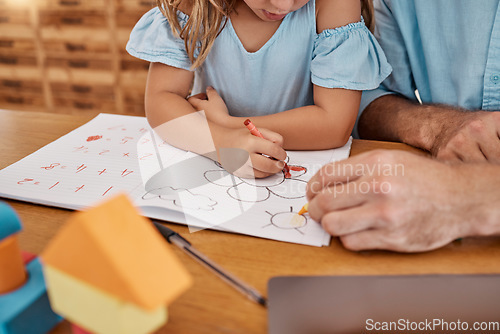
<point>448,132</point>
<point>399,201</point>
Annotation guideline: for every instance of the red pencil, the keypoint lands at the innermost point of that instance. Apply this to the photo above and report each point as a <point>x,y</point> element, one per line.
<point>253,130</point>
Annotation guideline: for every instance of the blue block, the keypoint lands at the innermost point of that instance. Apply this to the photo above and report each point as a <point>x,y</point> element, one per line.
<point>9,221</point>
<point>27,310</point>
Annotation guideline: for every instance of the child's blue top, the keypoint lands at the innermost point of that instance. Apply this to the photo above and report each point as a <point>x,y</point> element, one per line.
<point>277,77</point>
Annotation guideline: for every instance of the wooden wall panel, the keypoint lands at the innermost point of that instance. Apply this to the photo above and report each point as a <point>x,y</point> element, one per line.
<point>68,56</point>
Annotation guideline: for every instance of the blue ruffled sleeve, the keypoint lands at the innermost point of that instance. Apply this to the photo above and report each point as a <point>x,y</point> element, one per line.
<point>153,40</point>
<point>348,57</point>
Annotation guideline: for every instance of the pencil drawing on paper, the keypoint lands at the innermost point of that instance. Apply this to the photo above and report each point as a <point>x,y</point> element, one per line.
<point>285,185</point>
<point>287,220</point>
<point>189,200</point>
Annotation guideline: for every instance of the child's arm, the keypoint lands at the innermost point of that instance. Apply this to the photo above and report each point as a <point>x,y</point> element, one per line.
<point>175,120</point>
<point>326,124</point>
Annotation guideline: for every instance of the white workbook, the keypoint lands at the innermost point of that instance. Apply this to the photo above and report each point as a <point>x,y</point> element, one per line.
<point>116,153</point>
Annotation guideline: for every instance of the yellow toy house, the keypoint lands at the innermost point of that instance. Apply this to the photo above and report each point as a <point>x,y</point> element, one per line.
<point>108,270</point>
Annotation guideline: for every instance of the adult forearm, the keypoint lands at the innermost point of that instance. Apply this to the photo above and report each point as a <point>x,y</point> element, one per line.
<point>395,118</point>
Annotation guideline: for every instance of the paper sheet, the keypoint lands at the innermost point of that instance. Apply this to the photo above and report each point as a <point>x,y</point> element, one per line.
<point>115,153</point>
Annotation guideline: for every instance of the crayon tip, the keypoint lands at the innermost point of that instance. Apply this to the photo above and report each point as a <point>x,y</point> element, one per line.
<point>247,121</point>
<point>304,209</point>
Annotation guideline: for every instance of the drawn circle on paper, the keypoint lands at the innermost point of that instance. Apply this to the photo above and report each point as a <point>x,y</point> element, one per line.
<point>288,220</point>
<point>270,181</point>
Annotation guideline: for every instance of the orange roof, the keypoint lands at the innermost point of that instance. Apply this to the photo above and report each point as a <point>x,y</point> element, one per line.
<point>115,249</point>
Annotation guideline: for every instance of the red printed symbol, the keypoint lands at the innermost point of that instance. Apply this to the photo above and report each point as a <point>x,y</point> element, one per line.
<point>107,191</point>
<point>25,180</point>
<point>80,168</point>
<point>115,127</point>
<point>126,172</point>
<point>92,138</point>
<point>51,166</point>
<point>81,148</point>
<point>145,156</point>
<point>126,139</point>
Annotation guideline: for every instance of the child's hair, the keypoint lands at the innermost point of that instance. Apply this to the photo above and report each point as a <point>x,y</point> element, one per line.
<point>208,17</point>
<point>368,13</point>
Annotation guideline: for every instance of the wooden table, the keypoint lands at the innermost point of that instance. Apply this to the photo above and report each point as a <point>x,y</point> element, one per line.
<point>211,306</point>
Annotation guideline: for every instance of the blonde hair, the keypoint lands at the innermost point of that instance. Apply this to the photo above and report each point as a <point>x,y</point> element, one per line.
<point>368,13</point>
<point>207,18</point>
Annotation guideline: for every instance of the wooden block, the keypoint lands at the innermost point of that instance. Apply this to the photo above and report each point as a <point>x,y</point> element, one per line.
<point>9,221</point>
<point>27,310</point>
<point>96,310</point>
<point>119,252</point>
<point>12,272</point>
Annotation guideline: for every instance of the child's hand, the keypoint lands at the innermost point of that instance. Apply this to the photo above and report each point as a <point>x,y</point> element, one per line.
<point>260,158</point>
<point>214,106</point>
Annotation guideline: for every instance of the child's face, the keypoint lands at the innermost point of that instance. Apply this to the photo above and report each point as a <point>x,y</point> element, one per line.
<point>274,10</point>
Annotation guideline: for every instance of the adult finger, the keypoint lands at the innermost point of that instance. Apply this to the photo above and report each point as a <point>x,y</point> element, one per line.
<point>448,156</point>
<point>463,147</point>
<point>470,152</point>
<point>345,170</point>
<point>386,240</point>
<point>491,148</point>
<point>367,240</point>
<point>484,130</point>
<point>336,197</point>
<point>349,221</point>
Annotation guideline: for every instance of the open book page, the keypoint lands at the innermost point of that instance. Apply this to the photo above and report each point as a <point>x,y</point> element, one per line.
<point>115,153</point>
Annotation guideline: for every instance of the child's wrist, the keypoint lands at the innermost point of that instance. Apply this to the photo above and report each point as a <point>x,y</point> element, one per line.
<point>233,122</point>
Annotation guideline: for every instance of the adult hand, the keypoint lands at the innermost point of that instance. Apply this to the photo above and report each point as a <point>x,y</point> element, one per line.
<point>212,104</point>
<point>469,137</point>
<point>399,201</point>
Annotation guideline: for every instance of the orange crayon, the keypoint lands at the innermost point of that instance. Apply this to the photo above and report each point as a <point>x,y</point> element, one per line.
<point>304,209</point>
<point>253,130</point>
